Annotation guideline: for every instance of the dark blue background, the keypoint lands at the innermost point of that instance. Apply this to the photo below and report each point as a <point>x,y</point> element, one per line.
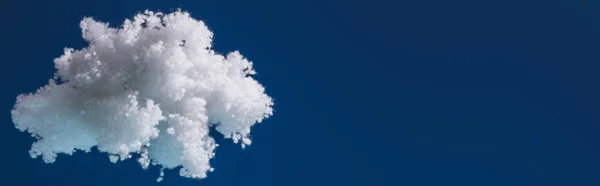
<point>426,92</point>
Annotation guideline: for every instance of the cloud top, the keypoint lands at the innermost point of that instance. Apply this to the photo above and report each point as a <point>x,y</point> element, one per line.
<point>151,87</point>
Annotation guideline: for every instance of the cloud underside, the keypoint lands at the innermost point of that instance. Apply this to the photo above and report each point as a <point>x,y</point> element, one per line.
<point>151,87</point>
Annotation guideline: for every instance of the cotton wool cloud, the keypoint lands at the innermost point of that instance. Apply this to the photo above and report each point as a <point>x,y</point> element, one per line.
<point>149,89</point>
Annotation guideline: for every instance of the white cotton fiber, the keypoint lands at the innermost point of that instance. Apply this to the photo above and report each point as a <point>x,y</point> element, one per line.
<point>152,87</point>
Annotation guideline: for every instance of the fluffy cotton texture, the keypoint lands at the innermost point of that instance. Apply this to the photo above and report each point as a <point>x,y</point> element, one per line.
<point>152,87</point>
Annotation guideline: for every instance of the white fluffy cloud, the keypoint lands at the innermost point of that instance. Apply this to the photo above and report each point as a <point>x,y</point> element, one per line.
<point>151,87</point>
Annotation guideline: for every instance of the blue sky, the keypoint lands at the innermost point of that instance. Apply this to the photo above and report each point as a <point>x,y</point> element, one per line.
<point>366,92</point>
